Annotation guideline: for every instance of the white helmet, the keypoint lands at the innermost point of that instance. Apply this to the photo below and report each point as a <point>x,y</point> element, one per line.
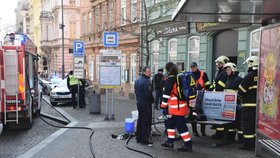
<point>223,59</point>
<point>252,61</point>
<point>232,66</point>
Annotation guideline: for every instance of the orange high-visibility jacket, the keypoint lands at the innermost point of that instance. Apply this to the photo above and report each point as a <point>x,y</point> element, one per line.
<point>170,100</point>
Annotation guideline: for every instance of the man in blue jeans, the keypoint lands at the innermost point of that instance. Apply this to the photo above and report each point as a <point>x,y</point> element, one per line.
<point>144,97</point>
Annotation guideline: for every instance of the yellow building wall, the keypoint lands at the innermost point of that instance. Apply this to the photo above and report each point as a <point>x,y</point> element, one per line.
<point>35,8</point>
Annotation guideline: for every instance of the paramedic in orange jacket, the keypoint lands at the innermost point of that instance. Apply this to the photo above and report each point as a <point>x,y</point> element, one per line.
<point>177,110</point>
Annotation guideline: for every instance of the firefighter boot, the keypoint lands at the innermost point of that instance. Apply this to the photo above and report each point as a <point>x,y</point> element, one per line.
<point>168,145</point>
<point>185,148</point>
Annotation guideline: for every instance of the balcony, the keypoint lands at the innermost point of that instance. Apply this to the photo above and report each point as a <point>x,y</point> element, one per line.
<point>45,14</point>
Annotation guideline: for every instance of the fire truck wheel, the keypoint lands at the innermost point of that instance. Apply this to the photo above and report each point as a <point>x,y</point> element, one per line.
<point>36,112</point>
<point>54,103</point>
<point>27,122</point>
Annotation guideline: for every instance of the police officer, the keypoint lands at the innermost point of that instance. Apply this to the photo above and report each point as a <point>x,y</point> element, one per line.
<point>219,85</point>
<point>82,93</point>
<point>144,97</point>
<point>72,84</point>
<point>202,83</point>
<point>177,110</point>
<point>231,85</point>
<point>248,92</point>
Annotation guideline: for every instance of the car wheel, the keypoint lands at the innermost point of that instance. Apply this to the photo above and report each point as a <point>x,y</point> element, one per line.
<point>54,103</point>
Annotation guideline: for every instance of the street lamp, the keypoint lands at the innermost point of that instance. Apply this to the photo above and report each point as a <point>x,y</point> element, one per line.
<point>62,30</point>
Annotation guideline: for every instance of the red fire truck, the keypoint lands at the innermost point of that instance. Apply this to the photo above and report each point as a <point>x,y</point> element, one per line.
<point>20,94</point>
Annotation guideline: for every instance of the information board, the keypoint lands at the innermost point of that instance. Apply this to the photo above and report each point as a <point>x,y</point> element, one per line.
<point>110,69</point>
<point>79,67</point>
<point>220,105</point>
<point>268,120</point>
<point>110,76</point>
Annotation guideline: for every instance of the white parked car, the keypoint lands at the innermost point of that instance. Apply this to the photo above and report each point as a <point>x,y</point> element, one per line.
<point>60,94</point>
<point>55,82</point>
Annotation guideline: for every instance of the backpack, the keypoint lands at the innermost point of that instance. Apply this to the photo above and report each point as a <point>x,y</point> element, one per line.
<point>186,86</point>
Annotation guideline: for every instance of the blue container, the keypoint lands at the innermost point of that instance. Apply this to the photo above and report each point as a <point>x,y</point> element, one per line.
<point>129,125</point>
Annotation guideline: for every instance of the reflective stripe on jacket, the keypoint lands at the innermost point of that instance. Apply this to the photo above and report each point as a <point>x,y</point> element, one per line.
<point>73,80</point>
<point>175,107</point>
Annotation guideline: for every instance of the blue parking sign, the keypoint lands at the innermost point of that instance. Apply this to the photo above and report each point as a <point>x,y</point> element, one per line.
<point>79,48</point>
<point>110,39</point>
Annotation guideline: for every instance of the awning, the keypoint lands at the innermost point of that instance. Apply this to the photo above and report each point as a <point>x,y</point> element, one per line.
<point>227,11</point>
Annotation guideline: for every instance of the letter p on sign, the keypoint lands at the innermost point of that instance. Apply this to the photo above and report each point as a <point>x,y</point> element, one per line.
<point>79,48</point>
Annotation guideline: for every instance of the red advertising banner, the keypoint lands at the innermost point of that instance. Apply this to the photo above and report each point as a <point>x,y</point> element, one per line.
<point>268,122</point>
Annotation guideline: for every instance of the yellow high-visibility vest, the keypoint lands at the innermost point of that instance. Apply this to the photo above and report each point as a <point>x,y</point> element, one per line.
<point>73,80</point>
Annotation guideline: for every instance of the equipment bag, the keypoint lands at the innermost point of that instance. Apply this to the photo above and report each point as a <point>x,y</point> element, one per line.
<point>186,86</point>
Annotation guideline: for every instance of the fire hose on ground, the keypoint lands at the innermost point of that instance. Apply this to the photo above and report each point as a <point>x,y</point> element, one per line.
<point>84,128</point>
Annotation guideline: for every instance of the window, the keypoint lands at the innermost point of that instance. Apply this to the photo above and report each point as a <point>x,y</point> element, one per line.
<point>72,29</point>
<point>123,67</point>
<point>193,53</point>
<point>133,11</point>
<point>90,68</point>
<point>96,20</point>
<point>72,2</point>
<point>155,52</point>
<point>172,50</point>
<point>111,15</point>
<point>123,12</point>
<point>90,22</point>
<point>133,68</point>
<point>104,17</point>
<point>97,66</point>
<point>84,24</point>
<point>255,42</point>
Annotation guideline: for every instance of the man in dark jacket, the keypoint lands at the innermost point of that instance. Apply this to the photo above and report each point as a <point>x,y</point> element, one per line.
<point>144,96</point>
<point>158,79</point>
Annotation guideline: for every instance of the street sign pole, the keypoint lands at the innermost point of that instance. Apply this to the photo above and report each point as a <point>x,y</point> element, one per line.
<point>113,115</point>
<point>110,39</point>
<point>62,29</point>
<point>107,115</point>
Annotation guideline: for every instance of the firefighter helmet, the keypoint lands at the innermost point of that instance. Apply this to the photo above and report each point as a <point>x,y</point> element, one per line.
<point>252,61</point>
<point>232,66</point>
<point>223,59</point>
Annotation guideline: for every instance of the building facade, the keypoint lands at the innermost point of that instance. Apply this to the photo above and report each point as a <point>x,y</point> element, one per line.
<point>51,41</point>
<point>22,18</point>
<point>120,16</point>
<point>183,43</point>
<point>33,13</point>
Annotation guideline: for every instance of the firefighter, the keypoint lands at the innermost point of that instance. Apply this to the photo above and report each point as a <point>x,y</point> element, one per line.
<point>72,84</point>
<point>231,85</point>
<point>177,110</point>
<point>202,83</point>
<point>219,85</point>
<point>248,92</point>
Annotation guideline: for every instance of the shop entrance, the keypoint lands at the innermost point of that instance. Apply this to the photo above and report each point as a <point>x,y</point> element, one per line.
<point>225,43</point>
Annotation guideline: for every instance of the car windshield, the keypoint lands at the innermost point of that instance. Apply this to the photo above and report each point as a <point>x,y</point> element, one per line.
<point>63,83</point>
<point>56,81</point>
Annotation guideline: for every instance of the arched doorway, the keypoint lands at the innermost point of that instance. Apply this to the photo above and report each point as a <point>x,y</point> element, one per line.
<point>225,43</point>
